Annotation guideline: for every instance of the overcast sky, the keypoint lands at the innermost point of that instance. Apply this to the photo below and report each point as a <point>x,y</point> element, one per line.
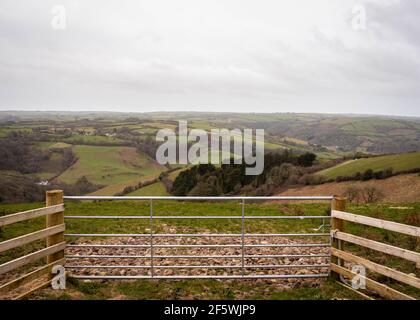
<point>213,55</point>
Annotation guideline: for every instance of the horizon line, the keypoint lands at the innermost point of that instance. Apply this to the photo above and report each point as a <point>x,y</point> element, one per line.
<point>211,112</point>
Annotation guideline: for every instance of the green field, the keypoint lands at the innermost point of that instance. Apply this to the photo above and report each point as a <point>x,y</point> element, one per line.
<point>92,139</point>
<point>397,162</point>
<point>109,165</point>
<point>174,174</point>
<point>60,145</point>
<point>154,189</point>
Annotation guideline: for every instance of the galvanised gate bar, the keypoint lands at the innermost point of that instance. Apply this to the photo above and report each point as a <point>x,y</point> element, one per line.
<point>322,232</point>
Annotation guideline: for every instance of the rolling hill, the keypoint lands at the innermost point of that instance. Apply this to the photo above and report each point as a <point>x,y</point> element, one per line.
<point>322,133</point>
<point>110,165</point>
<point>107,144</point>
<point>398,162</point>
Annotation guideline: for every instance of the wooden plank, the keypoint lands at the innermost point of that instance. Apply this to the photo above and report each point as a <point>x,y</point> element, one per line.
<point>386,271</point>
<point>29,277</point>
<point>41,286</point>
<point>355,291</point>
<point>19,262</point>
<point>373,222</point>
<point>338,203</point>
<point>54,197</point>
<point>380,288</point>
<point>30,214</point>
<point>378,246</point>
<point>27,238</point>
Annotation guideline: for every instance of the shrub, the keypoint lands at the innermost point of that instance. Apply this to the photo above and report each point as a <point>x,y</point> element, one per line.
<point>371,194</point>
<point>353,194</point>
<point>367,175</point>
<point>280,174</point>
<point>306,159</point>
<point>311,179</point>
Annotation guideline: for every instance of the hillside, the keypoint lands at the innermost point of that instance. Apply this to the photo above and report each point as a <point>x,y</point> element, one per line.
<point>117,150</point>
<point>398,162</point>
<point>154,189</point>
<point>327,134</point>
<point>321,132</point>
<point>397,189</point>
<point>113,167</point>
<point>109,165</point>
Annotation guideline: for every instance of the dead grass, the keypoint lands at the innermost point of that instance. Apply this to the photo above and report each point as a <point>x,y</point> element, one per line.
<point>398,189</point>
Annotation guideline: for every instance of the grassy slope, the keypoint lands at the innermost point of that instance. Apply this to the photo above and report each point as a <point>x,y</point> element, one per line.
<point>155,189</point>
<point>174,174</point>
<point>154,170</point>
<point>212,288</point>
<point>109,165</point>
<point>398,162</point>
<point>398,189</point>
<point>53,166</point>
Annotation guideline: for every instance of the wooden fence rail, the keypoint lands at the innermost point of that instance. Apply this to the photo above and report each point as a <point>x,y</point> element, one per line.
<point>339,236</point>
<point>53,233</point>
<point>380,288</point>
<point>373,222</point>
<point>30,214</point>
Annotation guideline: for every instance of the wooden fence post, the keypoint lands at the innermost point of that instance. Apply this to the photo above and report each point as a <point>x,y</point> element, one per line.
<point>338,203</point>
<point>53,198</point>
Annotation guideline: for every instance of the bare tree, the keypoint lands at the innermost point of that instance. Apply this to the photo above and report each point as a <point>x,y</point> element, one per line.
<point>353,194</point>
<point>371,194</point>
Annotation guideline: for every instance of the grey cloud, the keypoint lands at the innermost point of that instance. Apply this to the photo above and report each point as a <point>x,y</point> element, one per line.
<point>300,56</point>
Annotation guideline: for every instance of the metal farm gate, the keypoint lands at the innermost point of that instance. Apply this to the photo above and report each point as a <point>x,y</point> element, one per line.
<point>277,261</point>
<point>270,245</point>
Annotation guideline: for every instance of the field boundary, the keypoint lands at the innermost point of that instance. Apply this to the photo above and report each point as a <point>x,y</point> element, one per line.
<point>339,236</point>
<point>53,233</point>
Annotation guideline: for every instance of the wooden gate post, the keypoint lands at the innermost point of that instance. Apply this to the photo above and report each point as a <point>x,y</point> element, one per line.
<point>339,204</point>
<point>53,198</point>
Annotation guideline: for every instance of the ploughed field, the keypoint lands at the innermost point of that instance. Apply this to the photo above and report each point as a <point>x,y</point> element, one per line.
<point>209,288</point>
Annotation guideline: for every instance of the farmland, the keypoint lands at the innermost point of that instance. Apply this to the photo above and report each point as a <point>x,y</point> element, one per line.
<point>374,134</point>
<point>116,151</point>
<point>92,139</point>
<point>154,189</point>
<point>109,165</point>
<point>111,153</point>
<point>398,162</point>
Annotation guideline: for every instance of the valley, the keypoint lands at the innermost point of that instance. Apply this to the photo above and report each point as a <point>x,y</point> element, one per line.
<point>107,153</point>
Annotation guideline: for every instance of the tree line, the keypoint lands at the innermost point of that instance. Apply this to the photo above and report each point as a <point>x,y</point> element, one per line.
<point>209,180</point>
